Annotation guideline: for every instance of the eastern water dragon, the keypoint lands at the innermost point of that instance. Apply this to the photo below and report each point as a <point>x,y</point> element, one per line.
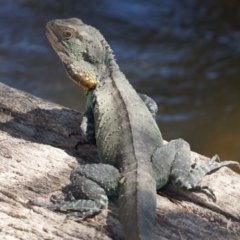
<point>134,161</point>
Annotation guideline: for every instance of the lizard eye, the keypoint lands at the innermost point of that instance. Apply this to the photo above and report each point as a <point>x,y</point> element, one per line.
<point>67,34</point>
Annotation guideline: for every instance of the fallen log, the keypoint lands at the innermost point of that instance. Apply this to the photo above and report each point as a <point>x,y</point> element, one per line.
<point>37,156</point>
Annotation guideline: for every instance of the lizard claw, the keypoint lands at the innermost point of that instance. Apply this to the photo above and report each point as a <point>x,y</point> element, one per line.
<point>201,188</point>
<point>73,134</point>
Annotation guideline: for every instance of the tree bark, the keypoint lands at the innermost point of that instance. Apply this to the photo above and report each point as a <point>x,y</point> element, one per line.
<point>37,156</point>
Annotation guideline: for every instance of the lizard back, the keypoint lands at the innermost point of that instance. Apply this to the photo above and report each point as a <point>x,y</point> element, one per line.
<point>126,135</point>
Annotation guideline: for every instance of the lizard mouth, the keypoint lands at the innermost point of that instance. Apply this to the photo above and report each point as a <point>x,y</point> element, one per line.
<point>51,37</point>
<point>56,44</point>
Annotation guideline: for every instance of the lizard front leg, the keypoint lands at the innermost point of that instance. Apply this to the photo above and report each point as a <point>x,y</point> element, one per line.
<point>87,129</point>
<point>150,104</point>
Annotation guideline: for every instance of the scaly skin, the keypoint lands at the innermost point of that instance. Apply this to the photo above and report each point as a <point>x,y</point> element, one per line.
<point>125,131</point>
<point>134,162</point>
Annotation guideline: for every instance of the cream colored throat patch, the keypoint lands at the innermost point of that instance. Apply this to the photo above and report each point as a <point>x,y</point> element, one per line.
<point>86,80</point>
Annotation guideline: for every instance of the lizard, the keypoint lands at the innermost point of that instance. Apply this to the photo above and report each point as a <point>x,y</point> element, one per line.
<point>134,162</point>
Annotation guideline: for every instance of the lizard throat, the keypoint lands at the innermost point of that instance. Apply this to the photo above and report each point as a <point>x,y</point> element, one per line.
<point>86,80</point>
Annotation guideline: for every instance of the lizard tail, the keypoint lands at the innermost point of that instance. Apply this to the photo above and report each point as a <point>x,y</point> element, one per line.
<point>137,204</point>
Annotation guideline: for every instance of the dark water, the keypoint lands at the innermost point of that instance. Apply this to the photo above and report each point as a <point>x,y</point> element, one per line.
<point>184,54</point>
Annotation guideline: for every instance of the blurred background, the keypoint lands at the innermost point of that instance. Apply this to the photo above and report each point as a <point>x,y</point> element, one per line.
<point>184,54</point>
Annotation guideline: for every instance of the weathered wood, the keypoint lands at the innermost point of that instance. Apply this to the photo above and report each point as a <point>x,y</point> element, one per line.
<point>37,156</point>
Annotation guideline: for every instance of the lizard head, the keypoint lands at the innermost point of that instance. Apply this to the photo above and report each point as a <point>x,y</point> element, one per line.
<point>82,49</point>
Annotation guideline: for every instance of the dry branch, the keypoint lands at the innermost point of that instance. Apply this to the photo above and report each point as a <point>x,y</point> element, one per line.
<point>37,156</point>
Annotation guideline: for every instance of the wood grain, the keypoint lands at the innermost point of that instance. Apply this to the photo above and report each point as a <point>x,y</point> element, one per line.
<point>37,156</point>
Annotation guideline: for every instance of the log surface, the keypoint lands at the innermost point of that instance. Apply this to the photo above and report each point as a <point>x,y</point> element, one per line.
<point>37,156</point>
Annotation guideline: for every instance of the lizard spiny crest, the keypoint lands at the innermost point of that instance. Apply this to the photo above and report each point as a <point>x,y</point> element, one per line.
<point>84,52</point>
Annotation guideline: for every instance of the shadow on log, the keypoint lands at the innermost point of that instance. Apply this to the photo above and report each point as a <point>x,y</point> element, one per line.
<point>37,157</point>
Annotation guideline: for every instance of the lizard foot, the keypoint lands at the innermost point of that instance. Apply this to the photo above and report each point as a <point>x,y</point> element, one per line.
<point>197,173</point>
<point>78,208</point>
<point>201,188</point>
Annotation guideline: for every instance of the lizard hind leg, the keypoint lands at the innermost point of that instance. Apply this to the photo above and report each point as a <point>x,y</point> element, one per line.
<point>197,173</point>
<point>184,176</point>
<point>91,186</point>
<point>173,162</point>
<point>75,204</point>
